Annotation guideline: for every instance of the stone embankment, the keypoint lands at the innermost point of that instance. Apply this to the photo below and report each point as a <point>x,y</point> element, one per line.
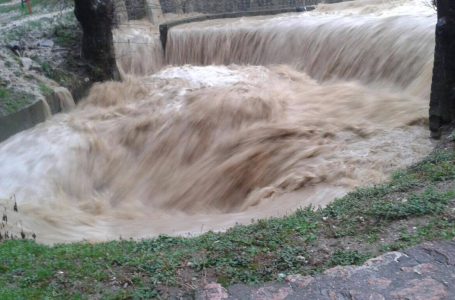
<point>421,273</point>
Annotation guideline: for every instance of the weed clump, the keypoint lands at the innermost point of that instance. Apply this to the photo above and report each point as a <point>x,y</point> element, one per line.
<point>9,231</point>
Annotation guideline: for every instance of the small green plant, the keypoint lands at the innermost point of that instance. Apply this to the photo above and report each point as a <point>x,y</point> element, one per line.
<point>347,258</point>
<point>12,101</point>
<point>8,232</point>
<point>4,9</point>
<point>45,90</point>
<point>65,34</point>
<point>428,202</point>
<point>4,93</point>
<point>47,69</point>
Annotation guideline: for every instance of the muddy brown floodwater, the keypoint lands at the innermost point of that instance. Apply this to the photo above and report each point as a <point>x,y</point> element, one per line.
<point>242,119</point>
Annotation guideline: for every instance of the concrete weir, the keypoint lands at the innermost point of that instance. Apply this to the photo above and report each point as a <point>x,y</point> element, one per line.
<point>441,104</point>
<point>154,10</point>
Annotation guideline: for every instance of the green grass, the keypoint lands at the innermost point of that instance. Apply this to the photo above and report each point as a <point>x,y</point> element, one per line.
<point>11,101</point>
<point>4,93</point>
<point>347,258</point>
<point>9,8</point>
<point>61,76</point>
<point>23,31</point>
<point>415,206</point>
<point>45,90</point>
<point>62,28</point>
<point>16,11</point>
<point>52,5</point>
<point>23,10</point>
<point>65,31</point>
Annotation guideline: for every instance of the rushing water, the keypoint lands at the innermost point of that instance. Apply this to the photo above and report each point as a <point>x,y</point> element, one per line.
<point>242,119</point>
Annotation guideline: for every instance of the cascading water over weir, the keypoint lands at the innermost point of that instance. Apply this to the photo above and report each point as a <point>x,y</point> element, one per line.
<point>238,119</point>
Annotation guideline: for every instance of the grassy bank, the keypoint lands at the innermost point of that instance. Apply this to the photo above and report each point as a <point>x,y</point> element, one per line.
<point>49,41</point>
<point>418,204</point>
<point>11,100</point>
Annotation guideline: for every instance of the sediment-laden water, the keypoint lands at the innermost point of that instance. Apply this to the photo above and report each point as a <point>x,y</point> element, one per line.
<point>240,119</point>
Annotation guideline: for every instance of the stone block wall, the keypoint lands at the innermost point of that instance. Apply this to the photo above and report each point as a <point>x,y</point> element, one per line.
<point>222,6</point>
<point>136,9</point>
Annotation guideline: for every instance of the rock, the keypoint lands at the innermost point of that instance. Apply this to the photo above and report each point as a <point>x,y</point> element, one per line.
<point>26,63</point>
<point>271,293</point>
<point>45,43</point>
<point>382,283</point>
<point>360,295</point>
<point>36,67</point>
<point>422,289</point>
<point>213,291</point>
<point>394,275</point>
<point>16,47</point>
<point>299,280</point>
<point>301,258</point>
<point>385,259</point>
<point>344,272</point>
<point>421,269</point>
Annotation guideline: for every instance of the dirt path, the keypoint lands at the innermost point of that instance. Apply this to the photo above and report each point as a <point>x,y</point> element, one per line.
<point>33,18</point>
<point>10,3</point>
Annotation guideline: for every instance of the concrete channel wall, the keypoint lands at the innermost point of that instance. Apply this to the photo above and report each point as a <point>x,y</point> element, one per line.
<point>225,6</point>
<point>37,112</point>
<point>23,119</point>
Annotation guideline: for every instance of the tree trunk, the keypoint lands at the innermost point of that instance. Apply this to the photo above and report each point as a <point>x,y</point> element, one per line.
<point>97,18</point>
<point>442,102</point>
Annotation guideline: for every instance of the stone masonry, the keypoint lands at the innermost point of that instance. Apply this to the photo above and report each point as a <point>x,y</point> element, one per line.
<point>425,272</point>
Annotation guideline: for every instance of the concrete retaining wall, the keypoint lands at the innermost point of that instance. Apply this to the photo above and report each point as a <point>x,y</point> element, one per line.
<point>222,6</point>
<point>23,119</point>
<point>37,112</point>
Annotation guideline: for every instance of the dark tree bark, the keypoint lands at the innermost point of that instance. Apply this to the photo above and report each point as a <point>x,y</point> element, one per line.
<point>442,102</point>
<point>97,18</point>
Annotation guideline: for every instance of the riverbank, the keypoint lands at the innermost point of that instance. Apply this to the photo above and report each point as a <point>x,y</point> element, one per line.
<point>39,53</point>
<point>416,205</point>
